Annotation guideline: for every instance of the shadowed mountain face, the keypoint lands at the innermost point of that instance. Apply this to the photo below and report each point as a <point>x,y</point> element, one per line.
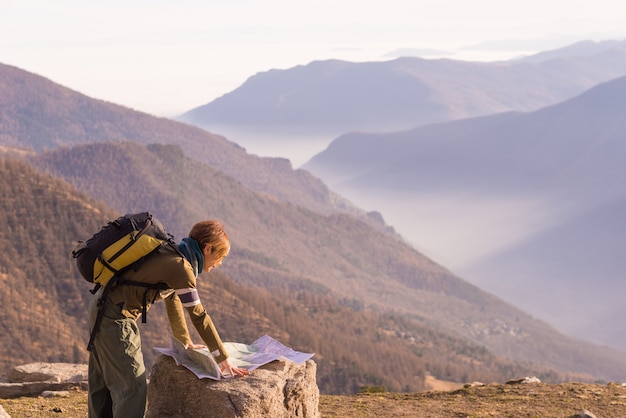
<point>526,205</point>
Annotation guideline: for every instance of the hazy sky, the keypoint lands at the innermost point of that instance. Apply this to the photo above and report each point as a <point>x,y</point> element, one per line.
<point>166,57</point>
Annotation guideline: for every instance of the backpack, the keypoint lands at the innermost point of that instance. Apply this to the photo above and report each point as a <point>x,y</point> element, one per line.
<point>119,246</point>
<point>122,244</point>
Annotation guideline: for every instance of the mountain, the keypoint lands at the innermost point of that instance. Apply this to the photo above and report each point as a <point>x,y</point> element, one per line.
<point>329,98</point>
<point>579,49</point>
<point>37,114</point>
<point>528,206</point>
<point>324,281</point>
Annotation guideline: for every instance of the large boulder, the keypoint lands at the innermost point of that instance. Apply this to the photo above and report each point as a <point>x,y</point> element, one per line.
<point>34,378</point>
<point>278,389</point>
<point>48,372</point>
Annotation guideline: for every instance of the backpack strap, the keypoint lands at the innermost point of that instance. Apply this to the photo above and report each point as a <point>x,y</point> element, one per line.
<point>100,314</point>
<point>117,280</point>
<point>174,246</point>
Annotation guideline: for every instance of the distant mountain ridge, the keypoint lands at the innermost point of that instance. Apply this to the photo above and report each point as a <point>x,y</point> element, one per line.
<point>335,97</point>
<point>550,182</point>
<point>578,49</point>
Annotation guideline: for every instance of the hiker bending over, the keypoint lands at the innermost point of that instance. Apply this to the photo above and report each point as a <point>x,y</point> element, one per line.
<point>117,375</point>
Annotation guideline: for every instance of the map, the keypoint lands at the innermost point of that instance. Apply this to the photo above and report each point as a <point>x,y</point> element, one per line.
<point>262,351</point>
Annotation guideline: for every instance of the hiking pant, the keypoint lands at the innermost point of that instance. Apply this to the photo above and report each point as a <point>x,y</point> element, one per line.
<point>117,375</point>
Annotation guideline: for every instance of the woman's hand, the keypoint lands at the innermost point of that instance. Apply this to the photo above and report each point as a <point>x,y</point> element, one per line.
<point>226,367</point>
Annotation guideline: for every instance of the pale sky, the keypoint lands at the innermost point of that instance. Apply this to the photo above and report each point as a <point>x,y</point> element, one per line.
<point>167,57</point>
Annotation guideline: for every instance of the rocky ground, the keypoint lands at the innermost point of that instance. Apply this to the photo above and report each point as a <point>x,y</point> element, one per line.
<point>495,400</point>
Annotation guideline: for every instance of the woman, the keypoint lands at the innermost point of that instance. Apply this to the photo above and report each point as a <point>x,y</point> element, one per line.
<point>117,375</point>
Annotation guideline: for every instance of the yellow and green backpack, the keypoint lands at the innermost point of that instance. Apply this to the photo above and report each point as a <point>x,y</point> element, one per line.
<point>118,246</point>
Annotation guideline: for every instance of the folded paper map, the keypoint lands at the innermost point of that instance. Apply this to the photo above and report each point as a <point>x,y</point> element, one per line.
<point>262,351</point>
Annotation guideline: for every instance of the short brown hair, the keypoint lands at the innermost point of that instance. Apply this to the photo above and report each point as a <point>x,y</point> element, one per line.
<point>211,233</point>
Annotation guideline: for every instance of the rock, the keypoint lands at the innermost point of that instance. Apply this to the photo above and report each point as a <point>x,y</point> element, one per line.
<point>278,389</point>
<point>16,390</point>
<point>55,394</point>
<point>525,380</point>
<point>3,413</point>
<point>473,385</point>
<point>34,378</point>
<point>42,372</point>
<point>584,414</point>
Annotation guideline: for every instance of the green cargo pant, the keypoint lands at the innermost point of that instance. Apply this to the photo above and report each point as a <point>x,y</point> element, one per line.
<point>117,375</point>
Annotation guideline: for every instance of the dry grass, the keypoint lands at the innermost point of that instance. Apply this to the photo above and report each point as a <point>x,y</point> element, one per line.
<point>495,400</point>
<point>73,406</point>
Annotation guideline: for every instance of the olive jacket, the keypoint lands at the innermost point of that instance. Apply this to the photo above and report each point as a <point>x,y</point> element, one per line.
<point>169,267</point>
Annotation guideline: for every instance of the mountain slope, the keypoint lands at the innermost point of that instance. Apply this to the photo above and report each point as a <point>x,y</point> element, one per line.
<point>496,190</point>
<point>287,248</point>
<point>37,114</point>
<point>334,97</point>
<point>43,305</point>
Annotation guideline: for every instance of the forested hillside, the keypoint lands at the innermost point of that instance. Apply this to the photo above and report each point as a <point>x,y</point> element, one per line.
<point>43,305</point>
